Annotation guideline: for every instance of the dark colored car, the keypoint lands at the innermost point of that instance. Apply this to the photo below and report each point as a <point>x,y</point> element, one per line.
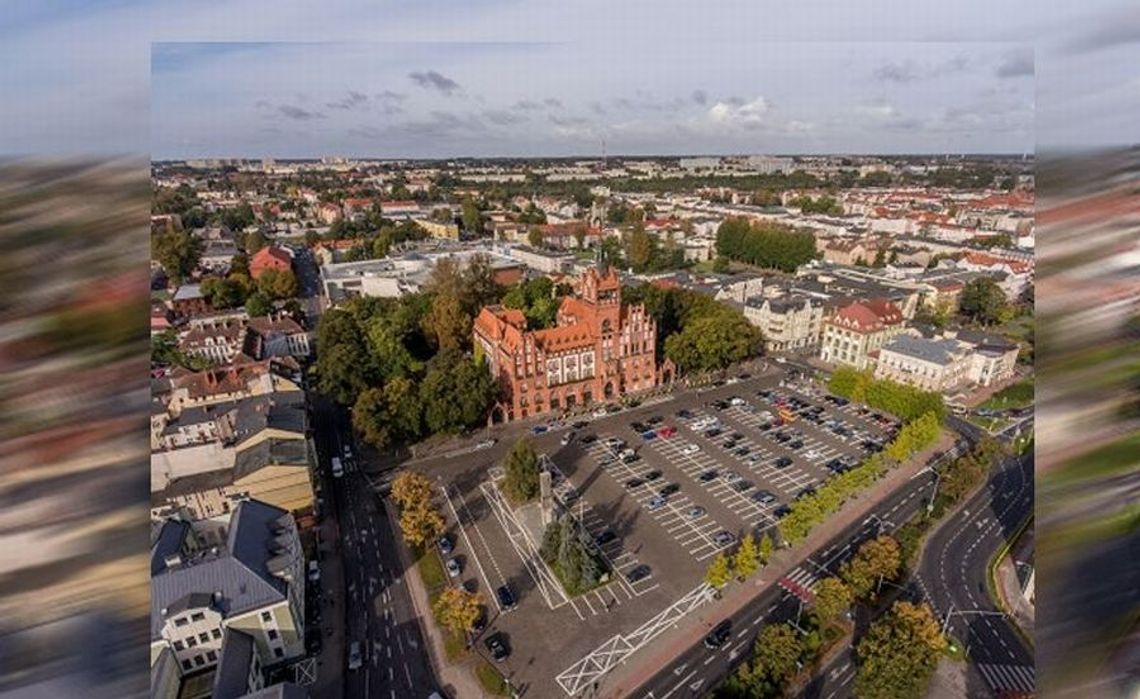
<point>506,597</point>
<point>745,376</point>
<point>639,573</point>
<point>782,462</point>
<point>480,623</point>
<point>719,635</point>
<point>782,511</point>
<point>445,545</point>
<point>796,444</point>
<point>498,647</point>
<point>764,497</point>
<point>638,426</point>
<point>654,420</point>
<point>630,459</point>
<point>742,451</point>
<point>805,492</point>
<point>742,486</point>
<point>604,538</point>
<point>668,489</point>
<point>684,414</point>
<point>634,483</point>
<point>782,437</point>
<point>713,432</point>
<point>589,439</point>
<point>707,476</point>
<point>729,443</point>
<point>652,475</point>
<point>579,424</point>
<point>736,435</point>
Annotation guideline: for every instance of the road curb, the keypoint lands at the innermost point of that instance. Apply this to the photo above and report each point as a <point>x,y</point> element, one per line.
<point>994,590</point>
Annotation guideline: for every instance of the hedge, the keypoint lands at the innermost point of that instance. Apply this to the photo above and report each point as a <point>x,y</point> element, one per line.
<point>906,402</point>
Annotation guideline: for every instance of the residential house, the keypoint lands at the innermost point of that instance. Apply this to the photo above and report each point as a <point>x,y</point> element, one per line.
<point>267,258</point>
<point>188,300</point>
<point>276,336</point>
<point>938,365</point>
<point>252,585</point>
<point>219,340</point>
<point>994,358</point>
<point>401,209</point>
<point>856,330</point>
<point>790,322</point>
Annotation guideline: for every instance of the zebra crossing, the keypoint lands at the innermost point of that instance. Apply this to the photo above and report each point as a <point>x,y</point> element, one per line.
<point>1009,678</point>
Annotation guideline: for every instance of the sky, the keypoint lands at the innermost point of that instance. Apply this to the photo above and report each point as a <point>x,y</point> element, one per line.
<point>439,100</point>
<point>76,74</point>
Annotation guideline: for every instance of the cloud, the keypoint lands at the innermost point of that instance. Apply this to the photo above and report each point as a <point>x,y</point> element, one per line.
<point>700,97</point>
<point>431,80</point>
<point>1016,64</point>
<point>740,113</point>
<point>897,72</point>
<point>597,108</point>
<point>527,106</point>
<point>553,102</point>
<point>354,100</point>
<point>1108,30</point>
<point>503,117</point>
<point>558,120</point>
<point>297,113</point>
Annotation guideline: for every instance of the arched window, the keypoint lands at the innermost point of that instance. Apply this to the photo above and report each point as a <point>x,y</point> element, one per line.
<point>607,327</point>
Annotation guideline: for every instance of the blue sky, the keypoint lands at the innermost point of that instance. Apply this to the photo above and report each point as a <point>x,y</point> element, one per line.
<point>76,76</point>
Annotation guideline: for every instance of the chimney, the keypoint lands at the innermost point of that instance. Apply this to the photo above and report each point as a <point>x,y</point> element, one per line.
<point>172,560</point>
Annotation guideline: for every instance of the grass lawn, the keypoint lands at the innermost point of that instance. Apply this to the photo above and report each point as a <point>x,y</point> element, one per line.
<point>454,645</point>
<point>490,679</point>
<point>431,572</point>
<point>989,424</point>
<point>1016,395</point>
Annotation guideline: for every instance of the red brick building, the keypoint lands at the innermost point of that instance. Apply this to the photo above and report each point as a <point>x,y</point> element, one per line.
<point>597,351</point>
<point>269,258</point>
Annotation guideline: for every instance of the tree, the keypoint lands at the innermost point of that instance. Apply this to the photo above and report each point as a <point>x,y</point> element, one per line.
<point>254,241</point>
<point>713,342</point>
<point>472,216</point>
<point>386,344</point>
<point>880,258</point>
<point>178,252</point>
<point>448,326</point>
<point>479,287</point>
<point>877,559</point>
<point>832,598</point>
<point>223,293</point>
<point>747,558</point>
<point>899,653</point>
<point>311,238</point>
<point>720,264</point>
<point>458,610</point>
<point>412,490</point>
<point>278,283</point>
<point>164,348</point>
<point>344,367</point>
<point>768,245</point>
<point>777,651</point>
<point>421,524</point>
<point>638,248</point>
<point>456,392</point>
<point>719,572</point>
<point>765,548</point>
<point>534,237</point>
<point>521,465</point>
<point>239,264</point>
<point>258,305</point>
<point>982,300</point>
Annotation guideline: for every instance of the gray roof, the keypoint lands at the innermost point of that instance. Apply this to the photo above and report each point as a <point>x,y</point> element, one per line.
<point>936,351</point>
<point>239,573</point>
<point>289,452</point>
<point>282,690</point>
<point>231,677</point>
<point>283,411</point>
<point>188,292</point>
<point>170,540</point>
<point>987,341</point>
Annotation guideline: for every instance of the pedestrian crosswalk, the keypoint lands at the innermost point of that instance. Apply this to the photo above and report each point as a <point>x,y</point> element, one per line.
<point>1004,678</point>
<point>803,577</point>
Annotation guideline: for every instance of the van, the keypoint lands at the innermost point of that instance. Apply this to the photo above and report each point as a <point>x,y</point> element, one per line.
<point>337,468</point>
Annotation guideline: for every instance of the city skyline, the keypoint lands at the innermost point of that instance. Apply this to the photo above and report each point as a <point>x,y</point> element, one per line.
<point>441,101</point>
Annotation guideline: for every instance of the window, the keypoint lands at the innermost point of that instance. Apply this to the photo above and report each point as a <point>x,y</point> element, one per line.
<point>197,616</point>
<point>211,656</point>
<point>186,665</point>
<point>179,645</point>
<point>216,633</point>
<point>278,653</point>
<point>272,634</point>
<point>199,660</point>
<point>181,621</point>
<point>191,642</point>
<point>266,617</point>
<point>204,637</point>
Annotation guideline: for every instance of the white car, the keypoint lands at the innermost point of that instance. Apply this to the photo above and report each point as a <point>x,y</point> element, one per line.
<point>600,412</point>
<point>453,568</point>
<point>736,400</point>
<point>314,572</point>
<point>690,448</point>
<point>355,660</point>
<point>486,443</point>
<point>567,438</point>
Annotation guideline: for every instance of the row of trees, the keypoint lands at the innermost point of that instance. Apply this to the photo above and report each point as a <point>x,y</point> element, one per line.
<point>899,653</point>
<point>747,559</point>
<point>822,205</point>
<point>768,245</point>
<point>813,509</point>
<point>646,253</point>
<point>905,402</point>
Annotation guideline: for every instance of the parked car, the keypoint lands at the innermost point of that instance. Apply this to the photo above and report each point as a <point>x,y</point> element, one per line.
<point>732,476</point>
<point>589,439</point>
<point>690,448</point>
<point>741,451</point>
<point>695,511</point>
<point>764,497</point>
<point>580,424</point>
<point>669,489</point>
<point>480,622</point>
<point>538,429</point>
<point>719,635</point>
<point>497,647</point>
<point>654,420</point>
<point>666,432</point>
<point>782,511</point>
<point>656,503</point>
<point>638,573</point>
<point>638,426</point>
<point>707,476</point>
<point>742,486</point>
<point>567,438</point>
<point>445,545</point>
<point>355,659</point>
<point>724,538</point>
<point>453,569</point>
<point>652,475</point>
<point>614,442</point>
<point>486,443</point>
<point>736,400</point>
<point>648,435</point>
<point>630,459</point>
<point>606,459</point>
<point>506,597</point>
<point>314,572</point>
<point>713,432</point>
<point>634,483</point>
<point>683,414</point>
<point>605,537</point>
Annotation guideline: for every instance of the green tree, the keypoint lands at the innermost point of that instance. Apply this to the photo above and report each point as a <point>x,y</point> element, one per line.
<point>982,300</point>
<point>448,326</point>
<point>178,252</point>
<point>777,651</point>
<point>766,547</point>
<point>534,237</point>
<point>876,560</point>
<point>258,305</point>
<point>278,283</point>
<point>344,366</point>
<point>386,345</point>
<point>832,599</point>
<point>412,490</point>
<point>899,653</point>
<point>472,216</point>
<point>714,342</point>
<point>521,466</point>
<point>747,558</point>
<point>456,392</point>
<point>720,264</point>
<point>164,348</point>
<point>719,572</point>
<point>254,241</point>
<point>223,293</point>
<point>311,238</point>
<point>638,248</point>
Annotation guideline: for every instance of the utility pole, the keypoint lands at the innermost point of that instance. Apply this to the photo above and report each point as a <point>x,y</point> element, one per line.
<point>934,493</point>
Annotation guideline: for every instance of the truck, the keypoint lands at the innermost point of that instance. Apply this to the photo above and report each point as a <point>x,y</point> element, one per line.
<point>337,468</point>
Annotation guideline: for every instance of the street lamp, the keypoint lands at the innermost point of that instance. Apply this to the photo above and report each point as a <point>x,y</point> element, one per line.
<point>934,492</point>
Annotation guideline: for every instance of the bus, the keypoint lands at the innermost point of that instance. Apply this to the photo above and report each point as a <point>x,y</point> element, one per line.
<point>337,469</point>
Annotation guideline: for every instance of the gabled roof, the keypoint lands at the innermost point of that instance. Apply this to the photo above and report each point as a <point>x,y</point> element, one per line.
<point>231,677</point>
<point>270,256</point>
<point>868,316</point>
<point>941,351</point>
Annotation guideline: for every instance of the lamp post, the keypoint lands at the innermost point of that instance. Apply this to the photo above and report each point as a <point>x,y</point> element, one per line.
<point>934,492</point>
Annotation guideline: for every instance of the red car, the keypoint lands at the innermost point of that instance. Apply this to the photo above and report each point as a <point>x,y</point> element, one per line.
<point>667,431</point>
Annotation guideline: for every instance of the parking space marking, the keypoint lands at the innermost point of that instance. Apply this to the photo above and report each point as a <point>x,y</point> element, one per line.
<point>471,547</point>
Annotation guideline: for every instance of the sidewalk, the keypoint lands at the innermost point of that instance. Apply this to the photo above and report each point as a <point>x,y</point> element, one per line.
<point>1009,585</point>
<point>331,661</point>
<point>457,680</point>
<point>628,677</point>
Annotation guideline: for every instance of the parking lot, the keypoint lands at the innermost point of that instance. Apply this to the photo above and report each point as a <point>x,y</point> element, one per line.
<point>663,489</point>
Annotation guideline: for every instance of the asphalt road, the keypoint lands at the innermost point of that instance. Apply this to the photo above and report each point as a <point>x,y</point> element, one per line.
<point>699,669</point>
<point>379,614</point>
<point>952,578</point>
